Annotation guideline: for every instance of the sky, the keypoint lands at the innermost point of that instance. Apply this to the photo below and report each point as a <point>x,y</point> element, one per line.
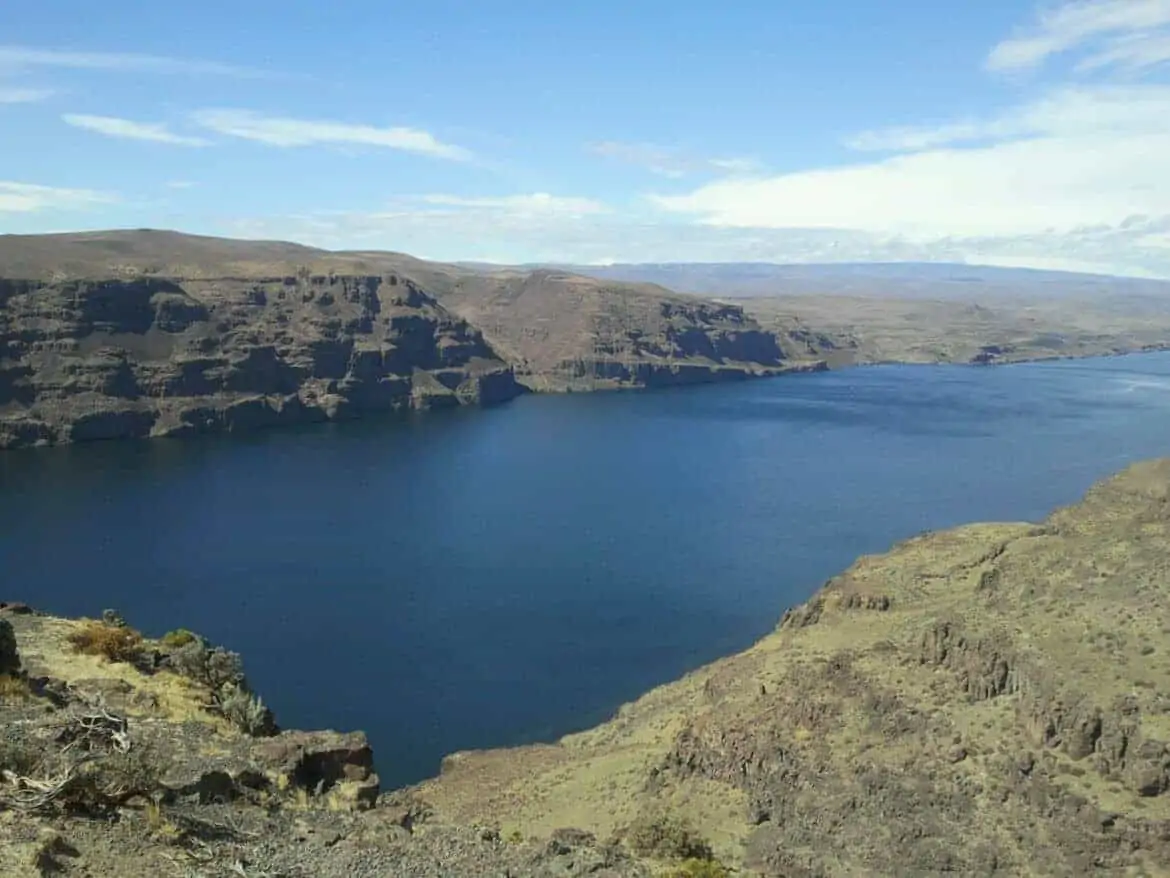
<point>1000,132</point>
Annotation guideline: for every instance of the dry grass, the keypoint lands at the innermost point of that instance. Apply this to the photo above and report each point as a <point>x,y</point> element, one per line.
<point>699,869</point>
<point>13,688</point>
<point>667,837</point>
<point>116,643</point>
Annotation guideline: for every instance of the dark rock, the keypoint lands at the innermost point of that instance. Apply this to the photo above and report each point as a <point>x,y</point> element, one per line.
<point>103,359</point>
<point>321,761</point>
<point>9,656</point>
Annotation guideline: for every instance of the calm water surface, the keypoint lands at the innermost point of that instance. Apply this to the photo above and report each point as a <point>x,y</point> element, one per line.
<point>480,578</point>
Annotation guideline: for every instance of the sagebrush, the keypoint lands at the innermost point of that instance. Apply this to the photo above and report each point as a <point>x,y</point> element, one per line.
<point>117,643</point>
<point>667,837</point>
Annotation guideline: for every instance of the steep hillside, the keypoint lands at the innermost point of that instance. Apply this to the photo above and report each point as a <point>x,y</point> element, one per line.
<point>137,333</point>
<point>568,331</point>
<point>99,359</point>
<point>990,699</point>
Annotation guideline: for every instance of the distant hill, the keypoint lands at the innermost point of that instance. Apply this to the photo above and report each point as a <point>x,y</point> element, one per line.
<point>148,332</point>
<point>144,332</point>
<point>904,280</point>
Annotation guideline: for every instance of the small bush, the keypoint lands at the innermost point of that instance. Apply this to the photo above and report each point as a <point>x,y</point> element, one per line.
<point>14,687</point>
<point>19,757</point>
<point>245,711</point>
<point>667,838</point>
<point>216,668</point>
<point>221,671</point>
<point>117,643</point>
<point>178,638</point>
<point>694,868</point>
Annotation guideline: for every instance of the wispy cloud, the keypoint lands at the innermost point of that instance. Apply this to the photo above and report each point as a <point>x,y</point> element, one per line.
<point>28,198</point>
<point>112,126</point>
<point>288,132</point>
<point>15,95</point>
<point>26,57</point>
<point>667,162</point>
<point>1079,175</point>
<point>1064,112</point>
<point>534,205</point>
<point>1126,33</point>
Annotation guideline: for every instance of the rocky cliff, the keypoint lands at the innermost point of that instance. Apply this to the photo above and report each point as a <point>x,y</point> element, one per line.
<point>565,331</point>
<point>154,356</point>
<point>149,333</point>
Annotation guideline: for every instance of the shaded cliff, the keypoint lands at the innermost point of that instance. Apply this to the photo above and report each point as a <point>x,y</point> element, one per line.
<point>565,331</point>
<point>153,333</point>
<point>154,356</point>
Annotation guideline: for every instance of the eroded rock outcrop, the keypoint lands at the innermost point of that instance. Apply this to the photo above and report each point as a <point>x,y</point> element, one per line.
<point>88,359</point>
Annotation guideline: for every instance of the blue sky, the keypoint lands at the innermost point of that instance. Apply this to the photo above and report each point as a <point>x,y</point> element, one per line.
<point>526,130</point>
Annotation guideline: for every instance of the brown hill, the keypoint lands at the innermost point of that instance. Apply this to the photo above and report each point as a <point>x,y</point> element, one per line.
<point>134,333</point>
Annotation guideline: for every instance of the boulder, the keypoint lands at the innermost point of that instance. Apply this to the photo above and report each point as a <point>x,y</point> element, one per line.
<point>322,763</point>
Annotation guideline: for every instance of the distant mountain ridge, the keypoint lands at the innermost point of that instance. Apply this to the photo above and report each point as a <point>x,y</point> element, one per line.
<point>150,333</point>
<point>894,279</point>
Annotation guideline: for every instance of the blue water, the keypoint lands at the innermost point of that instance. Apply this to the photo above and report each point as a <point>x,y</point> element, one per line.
<point>480,578</point>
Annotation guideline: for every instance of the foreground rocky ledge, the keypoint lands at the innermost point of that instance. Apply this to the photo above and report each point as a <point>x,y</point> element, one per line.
<point>993,699</point>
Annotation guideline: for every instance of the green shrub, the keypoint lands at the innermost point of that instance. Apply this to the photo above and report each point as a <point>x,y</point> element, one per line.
<point>696,868</point>
<point>667,838</point>
<point>178,638</point>
<point>215,668</point>
<point>245,711</point>
<point>221,671</point>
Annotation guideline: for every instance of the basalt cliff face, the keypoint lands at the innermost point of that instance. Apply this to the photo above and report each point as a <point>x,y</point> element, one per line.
<point>154,356</point>
<point>145,333</point>
<point>567,332</point>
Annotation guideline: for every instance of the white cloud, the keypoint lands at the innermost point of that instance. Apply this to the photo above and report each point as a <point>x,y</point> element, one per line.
<point>1121,32</point>
<point>538,204</point>
<point>1079,158</point>
<point>28,197</point>
<point>111,126</point>
<point>1133,51</point>
<point>1074,111</point>
<point>25,57</point>
<point>667,162</point>
<point>15,95</point>
<point>509,237</point>
<point>289,132</point>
